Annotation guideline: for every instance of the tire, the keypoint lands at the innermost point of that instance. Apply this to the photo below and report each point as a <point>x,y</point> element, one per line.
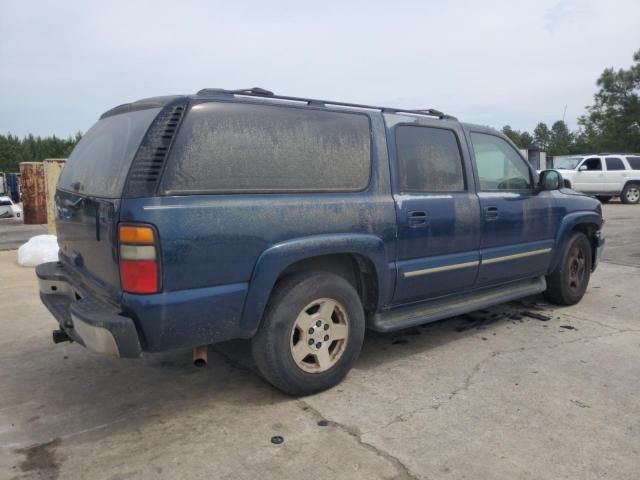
<point>568,282</point>
<point>603,198</point>
<point>630,193</point>
<point>316,308</point>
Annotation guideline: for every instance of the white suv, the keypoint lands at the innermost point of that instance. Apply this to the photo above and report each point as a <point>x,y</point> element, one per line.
<point>8,209</point>
<point>603,175</point>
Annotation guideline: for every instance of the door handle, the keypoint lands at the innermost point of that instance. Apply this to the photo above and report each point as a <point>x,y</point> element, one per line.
<point>491,213</point>
<point>417,219</point>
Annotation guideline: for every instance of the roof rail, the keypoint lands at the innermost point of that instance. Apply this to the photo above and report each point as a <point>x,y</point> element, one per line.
<point>261,92</point>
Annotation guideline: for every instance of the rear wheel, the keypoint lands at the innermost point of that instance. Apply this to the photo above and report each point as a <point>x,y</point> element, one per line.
<point>603,198</point>
<point>630,193</point>
<point>311,334</point>
<point>568,282</point>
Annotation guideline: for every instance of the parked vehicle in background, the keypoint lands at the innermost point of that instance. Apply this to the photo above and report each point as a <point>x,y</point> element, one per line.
<point>3,184</point>
<point>189,220</point>
<point>604,175</point>
<point>8,209</point>
<point>13,187</point>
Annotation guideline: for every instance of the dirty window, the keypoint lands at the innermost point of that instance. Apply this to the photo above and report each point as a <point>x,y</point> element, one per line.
<point>236,147</point>
<point>99,164</point>
<point>499,166</point>
<point>428,160</point>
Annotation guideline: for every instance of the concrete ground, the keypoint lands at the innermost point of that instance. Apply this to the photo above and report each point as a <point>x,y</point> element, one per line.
<point>487,396</point>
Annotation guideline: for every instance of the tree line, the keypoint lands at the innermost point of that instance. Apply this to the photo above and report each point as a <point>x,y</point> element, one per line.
<point>611,124</point>
<point>14,150</point>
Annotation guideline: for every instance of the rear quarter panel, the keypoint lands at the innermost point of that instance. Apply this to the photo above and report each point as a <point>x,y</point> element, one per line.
<point>214,240</point>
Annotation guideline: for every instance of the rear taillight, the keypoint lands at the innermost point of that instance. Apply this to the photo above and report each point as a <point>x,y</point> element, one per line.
<point>139,270</point>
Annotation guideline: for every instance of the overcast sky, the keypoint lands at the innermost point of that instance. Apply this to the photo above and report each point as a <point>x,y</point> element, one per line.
<point>63,63</point>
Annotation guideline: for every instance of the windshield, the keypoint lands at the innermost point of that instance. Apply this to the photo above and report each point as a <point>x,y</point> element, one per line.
<point>100,162</point>
<point>567,163</point>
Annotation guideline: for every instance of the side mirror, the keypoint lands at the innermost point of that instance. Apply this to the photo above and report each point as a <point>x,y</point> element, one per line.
<point>550,180</point>
<point>582,168</point>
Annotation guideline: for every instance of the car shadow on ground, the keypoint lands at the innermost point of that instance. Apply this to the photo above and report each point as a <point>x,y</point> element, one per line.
<point>71,390</point>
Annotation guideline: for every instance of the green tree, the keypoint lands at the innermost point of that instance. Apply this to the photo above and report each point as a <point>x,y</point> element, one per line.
<point>512,134</point>
<point>542,136</point>
<point>14,150</point>
<point>521,139</point>
<point>526,140</point>
<point>613,121</point>
<point>561,139</point>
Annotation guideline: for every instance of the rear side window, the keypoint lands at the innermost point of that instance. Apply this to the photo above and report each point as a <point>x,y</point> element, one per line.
<point>428,160</point>
<point>99,164</point>
<point>614,163</point>
<point>240,147</point>
<point>634,162</point>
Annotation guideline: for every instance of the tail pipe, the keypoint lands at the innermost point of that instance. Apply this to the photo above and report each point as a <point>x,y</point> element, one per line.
<point>200,356</point>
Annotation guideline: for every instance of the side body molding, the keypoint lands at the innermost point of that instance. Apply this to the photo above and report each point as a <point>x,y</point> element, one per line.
<point>569,222</point>
<point>277,258</point>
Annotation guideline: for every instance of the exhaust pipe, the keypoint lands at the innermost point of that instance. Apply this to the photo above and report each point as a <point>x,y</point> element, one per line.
<point>60,336</point>
<point>200,356</point>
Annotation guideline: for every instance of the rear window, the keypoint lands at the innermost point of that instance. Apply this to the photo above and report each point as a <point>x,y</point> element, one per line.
<point>634,162</point>
<point>240,147</point>
<point>99,164</point>
<point>614,163</point>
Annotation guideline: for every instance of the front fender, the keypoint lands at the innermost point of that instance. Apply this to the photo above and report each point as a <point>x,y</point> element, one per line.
<point>277,258</point>
<point>569,222</point>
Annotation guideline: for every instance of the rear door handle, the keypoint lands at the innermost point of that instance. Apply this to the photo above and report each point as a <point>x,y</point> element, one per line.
<point>491,213</point>
<point>417,219</point>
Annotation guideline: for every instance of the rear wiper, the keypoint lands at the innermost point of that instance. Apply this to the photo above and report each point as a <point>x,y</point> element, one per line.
<point>69,204</point>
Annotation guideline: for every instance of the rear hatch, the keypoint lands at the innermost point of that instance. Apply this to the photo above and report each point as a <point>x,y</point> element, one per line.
<point>88,198</point>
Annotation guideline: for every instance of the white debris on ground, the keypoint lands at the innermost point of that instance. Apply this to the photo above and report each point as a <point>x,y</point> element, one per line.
<point>39,249</point>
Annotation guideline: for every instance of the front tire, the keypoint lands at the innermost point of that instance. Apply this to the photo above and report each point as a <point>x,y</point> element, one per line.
<point>630,193</point>
<point>603,198</point>
<point>567,284</point>
<point>311,334</point>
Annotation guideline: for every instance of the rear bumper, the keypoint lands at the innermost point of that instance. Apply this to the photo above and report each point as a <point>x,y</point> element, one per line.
<point>86,319</point>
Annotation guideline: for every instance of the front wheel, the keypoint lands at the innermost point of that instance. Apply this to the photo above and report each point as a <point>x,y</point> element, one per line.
<point>630,193</point>
<point>568,282</point>
<point>603,198</point>
<point>311,334</point>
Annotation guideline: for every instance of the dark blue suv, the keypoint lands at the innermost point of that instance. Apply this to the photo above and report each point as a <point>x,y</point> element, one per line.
<point>189,220</point>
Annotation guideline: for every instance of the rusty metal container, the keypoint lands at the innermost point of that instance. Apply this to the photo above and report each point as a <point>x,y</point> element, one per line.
<point>34,198</point>
<point>52,169</point>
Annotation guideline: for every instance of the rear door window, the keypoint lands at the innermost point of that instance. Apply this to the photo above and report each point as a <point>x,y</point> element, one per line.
<point>429,160</point>
<point>614,163</point>
<point>634,162</point>
<point>99,164</point>
<point>244,147</point>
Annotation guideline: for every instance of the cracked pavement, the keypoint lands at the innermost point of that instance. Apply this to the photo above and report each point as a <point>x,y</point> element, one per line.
<point>494,395</point>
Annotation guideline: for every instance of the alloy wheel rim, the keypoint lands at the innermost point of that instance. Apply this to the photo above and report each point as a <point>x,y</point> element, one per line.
<point>577,267</point>
<point>319,335</point>
<point>633,194</point>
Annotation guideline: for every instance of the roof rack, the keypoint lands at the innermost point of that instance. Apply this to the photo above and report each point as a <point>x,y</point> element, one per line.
<point>261,92</point>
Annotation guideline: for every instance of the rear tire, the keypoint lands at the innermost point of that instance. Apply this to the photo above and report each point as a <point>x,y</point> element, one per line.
<point>311,334</point>
<point>568,282</point>
<point>603,198</point>
<point>630,193</point>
